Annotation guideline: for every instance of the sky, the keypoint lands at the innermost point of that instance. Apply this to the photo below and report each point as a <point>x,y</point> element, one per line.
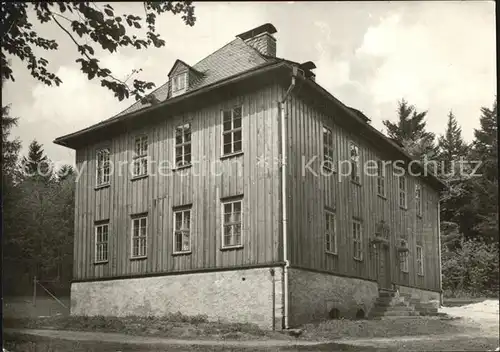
<point>439,56</point>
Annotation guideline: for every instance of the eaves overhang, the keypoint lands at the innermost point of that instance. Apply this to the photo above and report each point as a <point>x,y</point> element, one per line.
<point>75,139</point>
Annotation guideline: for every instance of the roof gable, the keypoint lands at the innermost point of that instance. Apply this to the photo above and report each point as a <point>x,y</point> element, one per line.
<point>232,59</point>
<point>178,67</point>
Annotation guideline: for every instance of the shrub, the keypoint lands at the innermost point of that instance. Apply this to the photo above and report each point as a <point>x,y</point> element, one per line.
<point>471,269</point>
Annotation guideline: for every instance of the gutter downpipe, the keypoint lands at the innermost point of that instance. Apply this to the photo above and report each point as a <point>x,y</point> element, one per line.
<point>281,108</point>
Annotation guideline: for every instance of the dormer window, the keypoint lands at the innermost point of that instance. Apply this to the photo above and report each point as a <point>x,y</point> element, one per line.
<point>181,77</point>
<point>179,83</point>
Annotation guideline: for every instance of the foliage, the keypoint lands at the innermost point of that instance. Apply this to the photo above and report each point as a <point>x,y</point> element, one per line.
<point>471,197</point>
<point>485,188</point>
<point>10,148</point>
<point>471,268</point>
<point>410,131</point>
<point>455,172</point>
<point>89,27</point>
<point>451,145</point>
<point>450,235</point>
<point>39,224</point>
<point>36,164</point>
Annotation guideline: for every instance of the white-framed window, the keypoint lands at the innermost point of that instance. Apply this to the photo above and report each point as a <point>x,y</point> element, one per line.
<point>328,149</point>
<point>182,231</point>
<point>402,191</point>
<point>354,159</point>
<point>101,242</point>
<point>102,167</point>
<point>357,237</point>
<point>139,236</point>
<point>231,131</point>
<point>403,261</point>
<point>420,260</point>
<point>330,232</point>
<point>418,199</point>
<point>140,156</point>
<point>232,223</point>
<point>380,178</point>
<point>183,145</point>
<point>179,82</point>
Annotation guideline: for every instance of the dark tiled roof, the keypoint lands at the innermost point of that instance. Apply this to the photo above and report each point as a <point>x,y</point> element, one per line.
<point>232,59</point>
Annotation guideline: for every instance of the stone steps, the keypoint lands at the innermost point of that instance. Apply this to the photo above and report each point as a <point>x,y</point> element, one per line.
<point>391,304</point>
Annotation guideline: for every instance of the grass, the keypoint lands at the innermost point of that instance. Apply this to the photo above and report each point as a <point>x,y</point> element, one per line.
<point>335,329</point>
<point>15,307</point>
<point>198,327</point>
<point>173,325</point>
<point>462,301</point>
<point>24,343</point>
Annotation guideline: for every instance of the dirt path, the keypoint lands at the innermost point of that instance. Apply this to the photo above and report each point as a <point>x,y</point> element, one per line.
<point>482,315</point>
<point>481,319</point>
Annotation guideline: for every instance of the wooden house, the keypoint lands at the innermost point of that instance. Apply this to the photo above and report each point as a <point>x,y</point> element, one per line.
<point>224,193</point>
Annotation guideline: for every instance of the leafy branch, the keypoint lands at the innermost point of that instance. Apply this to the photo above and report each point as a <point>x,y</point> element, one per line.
<point>102,26</point>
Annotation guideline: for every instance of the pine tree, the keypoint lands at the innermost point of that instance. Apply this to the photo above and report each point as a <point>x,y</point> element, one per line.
<point>410,132</point>
<point>65,172</point>
<point>451,145</point>
<point>10,148</point>
<point>485,188</point>
<point>485,145</point>
<point>37,164</point>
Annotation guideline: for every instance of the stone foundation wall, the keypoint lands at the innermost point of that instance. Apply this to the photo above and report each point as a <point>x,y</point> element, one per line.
<point>423,295</point>
<point>313,295</point>
<point>231,296</point>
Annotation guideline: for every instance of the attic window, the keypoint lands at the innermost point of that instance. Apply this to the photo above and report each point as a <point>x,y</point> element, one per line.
<point>179,82</point>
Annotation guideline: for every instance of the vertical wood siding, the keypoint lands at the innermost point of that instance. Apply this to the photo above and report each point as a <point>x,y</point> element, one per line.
<point>157,195</point>
<point>309,195</point>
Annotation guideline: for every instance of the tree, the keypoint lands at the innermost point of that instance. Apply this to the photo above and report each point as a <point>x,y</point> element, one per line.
<point>450,235</point>
<point>485,145</point>
<point>65,172</point>
<point>36,165</point>
<point>10,148</point>
<point>88,26</point>
<point>410,132</point>
<point>471,269</point>
<point>451,145</point>
<point>10,195</point>
<point>453,152</point>
<point>485,188</point>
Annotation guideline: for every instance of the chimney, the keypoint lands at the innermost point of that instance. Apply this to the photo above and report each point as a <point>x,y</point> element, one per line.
<point>261,38</point>
<point>307,67</point>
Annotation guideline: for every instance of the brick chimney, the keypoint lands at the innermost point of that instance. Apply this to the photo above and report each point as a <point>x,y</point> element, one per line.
<point>261,38</point>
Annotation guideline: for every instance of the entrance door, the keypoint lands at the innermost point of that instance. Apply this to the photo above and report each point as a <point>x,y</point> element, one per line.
<point>384,267</point>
